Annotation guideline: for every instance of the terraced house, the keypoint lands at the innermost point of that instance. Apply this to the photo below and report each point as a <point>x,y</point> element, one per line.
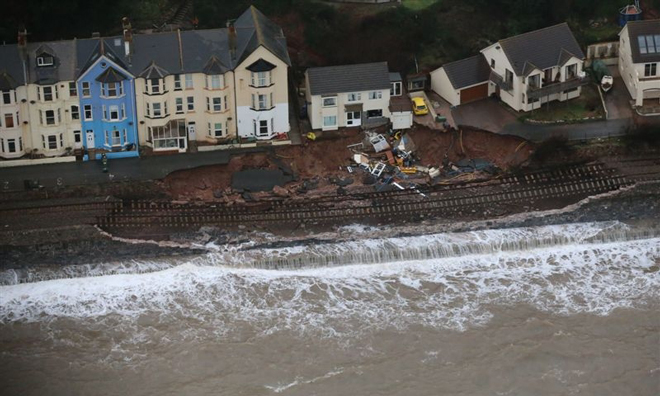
<point>165,92</point>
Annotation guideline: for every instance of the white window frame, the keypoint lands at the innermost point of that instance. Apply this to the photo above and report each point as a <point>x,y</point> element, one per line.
<point>46,118</point>
<point>87,110</point>
<point>325,119</point>
<point>157,110</point>
<point>75,112</point>
<point>45,61</point>
<point>189,81</point>
<point>260,79</point>
<point>86,89</point>
<point>6,94</point>
<point>190,103</point>
<point>179,105</point>
<point>73,90</point>
<point>177,82</point>
<point>354,97</point>
<point>375,95</point>
<point>46,94</point>
<point>113,112</point>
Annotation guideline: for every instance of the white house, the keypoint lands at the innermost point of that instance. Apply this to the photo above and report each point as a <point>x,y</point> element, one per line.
<point>355,95</point>
<point>524,71</point>
<point>639,55</point>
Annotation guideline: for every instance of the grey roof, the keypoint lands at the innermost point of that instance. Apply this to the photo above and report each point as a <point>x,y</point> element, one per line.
<point>111,75</point>
<point>198,51</point>
<point>7,82</point>
<point>153,71</point>
<point>541,48</point>
<point>253,29</point>
<point>394,77</point>
<point>467,72</point>
<point>348,78</point>
<point>642,28</point>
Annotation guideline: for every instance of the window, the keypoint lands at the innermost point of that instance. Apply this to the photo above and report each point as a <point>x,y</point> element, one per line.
<point>260,79</point>
<point>110,90</point>
<point>47,94</point>
<point>534,81</point>
<point>329,121</point>
<point>116,138</point>
<point>215,129</point>
<point>374,113</point>
<point>86,90</point>
<point>148,108</point>
<point>650,69</point>
<point>259,102</point>
<point>6,97</point>
<point>75,113</point>
<point>191,103</point>
<point>77,137</point>
<point>215,105</point>
<point>571,71</point>
<point>179,105</point>
<point>263,102</point>
<point>154,85</point>
<point>123,111</point>
<point>492,63</point>
<point>263,128</point>
<point>88,112</point>
<point>215,82</point>
<point>61,140</point>
<point>508,77</point>
<point>52,142</point>
<point>157,110</point>
<point>395,89</point>
<point>9,120</point>
<point>330,102</point>
<point>50,117</point>
<point>45,60</point>
<point>189,81</point>
<point>125,136</point>
<point>354,97</point>
<point>177,82</point>
<point>73,90</point>
<point>11,145</point>
<point>114,113</point>
<point>375,95</point>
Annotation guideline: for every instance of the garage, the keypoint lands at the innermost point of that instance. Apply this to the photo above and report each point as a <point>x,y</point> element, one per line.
<point>474,93</point>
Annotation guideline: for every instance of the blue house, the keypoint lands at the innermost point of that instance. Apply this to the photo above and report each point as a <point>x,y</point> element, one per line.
<point>107,102</point>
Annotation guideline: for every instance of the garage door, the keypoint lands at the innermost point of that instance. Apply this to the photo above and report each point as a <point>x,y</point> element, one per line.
<point>474,93</point>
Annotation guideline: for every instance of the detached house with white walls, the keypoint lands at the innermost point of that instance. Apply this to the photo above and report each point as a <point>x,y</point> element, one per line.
<point>639,56</point>
<point>524,71</point>
<point>359,95</point>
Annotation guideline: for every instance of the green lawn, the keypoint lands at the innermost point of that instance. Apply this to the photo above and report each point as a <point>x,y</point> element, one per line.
<point>587,105</point>
<point>418,4</point>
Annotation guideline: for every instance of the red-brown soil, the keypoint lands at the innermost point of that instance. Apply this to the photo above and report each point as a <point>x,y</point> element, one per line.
<point>328,156</point>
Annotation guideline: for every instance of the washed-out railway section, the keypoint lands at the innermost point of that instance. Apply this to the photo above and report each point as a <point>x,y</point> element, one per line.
<point>537,190</point>
<point>545,189</point>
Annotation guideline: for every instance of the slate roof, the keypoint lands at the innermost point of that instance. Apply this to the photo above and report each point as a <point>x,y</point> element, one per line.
<point>348,78</point>
<point>642,28</point>
<point>541,48</point>
<point>394,77</point>
<point>467,72</point>
<point>200,51</point>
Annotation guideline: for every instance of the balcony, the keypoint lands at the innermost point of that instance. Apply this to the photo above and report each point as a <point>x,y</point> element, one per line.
<point>500,82</point>
<point>556,87</point>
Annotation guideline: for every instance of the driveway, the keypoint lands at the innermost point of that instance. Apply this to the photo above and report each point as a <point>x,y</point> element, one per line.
<point>491,115</point>
<point>487,114</point>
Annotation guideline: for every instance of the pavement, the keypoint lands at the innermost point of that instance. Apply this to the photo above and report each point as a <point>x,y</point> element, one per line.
<point>121,169</point>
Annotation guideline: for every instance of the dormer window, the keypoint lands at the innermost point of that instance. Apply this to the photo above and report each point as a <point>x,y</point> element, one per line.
<point>45,60</point>
<point>215,81</point>
<point>154,85</point>
<point>260,79</point>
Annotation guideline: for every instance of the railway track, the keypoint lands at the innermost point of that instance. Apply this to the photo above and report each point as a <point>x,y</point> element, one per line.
<point>529,189</point>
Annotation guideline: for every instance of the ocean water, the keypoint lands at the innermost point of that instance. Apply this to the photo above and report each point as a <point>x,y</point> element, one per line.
<point>568,309</point>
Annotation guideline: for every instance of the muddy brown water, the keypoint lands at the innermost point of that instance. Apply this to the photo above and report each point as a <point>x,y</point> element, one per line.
<point>578,316</point>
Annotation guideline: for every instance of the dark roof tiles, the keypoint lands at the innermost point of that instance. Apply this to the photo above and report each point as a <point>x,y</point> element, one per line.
<point>541,48</point>
<point>467,72</point>
<point>348,78</point>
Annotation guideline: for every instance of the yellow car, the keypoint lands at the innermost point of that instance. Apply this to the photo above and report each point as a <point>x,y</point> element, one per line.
<point>419,107</point>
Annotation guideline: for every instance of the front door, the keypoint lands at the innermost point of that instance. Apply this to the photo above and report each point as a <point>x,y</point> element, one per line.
<point>90,139</point>
<point>192,134</point>
<point>353,118</point>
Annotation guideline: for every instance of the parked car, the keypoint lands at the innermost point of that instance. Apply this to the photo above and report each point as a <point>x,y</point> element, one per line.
<point>419,107</point>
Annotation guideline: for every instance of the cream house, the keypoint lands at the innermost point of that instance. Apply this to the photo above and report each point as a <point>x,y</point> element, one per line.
<point>639,56</point>
<point>524,71</point>
<point>219,85</point>
<point>39,107</point>
<point>353,96</point>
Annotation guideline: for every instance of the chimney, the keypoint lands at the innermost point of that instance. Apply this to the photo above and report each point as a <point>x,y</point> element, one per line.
<point>22,42</point>
<point>128,36</point>
<point>231,35</point>
<point>96,34</point>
